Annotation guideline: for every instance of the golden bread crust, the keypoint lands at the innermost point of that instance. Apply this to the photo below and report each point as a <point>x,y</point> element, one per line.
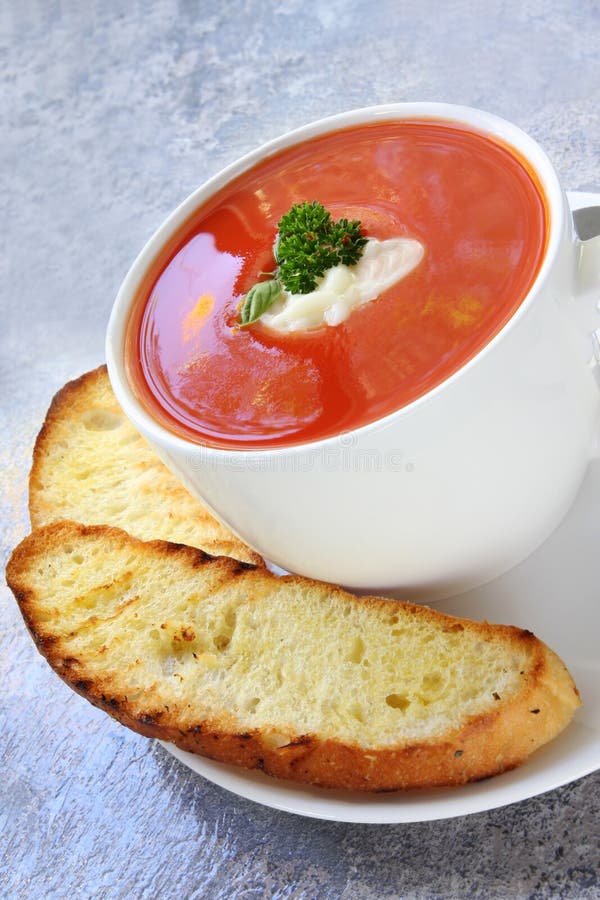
<point>92,466</point>
<point>501,735</point>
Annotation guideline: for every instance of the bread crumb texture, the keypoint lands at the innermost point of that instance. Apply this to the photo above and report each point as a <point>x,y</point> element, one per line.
<point>369,693</point>
<point>91,465</point>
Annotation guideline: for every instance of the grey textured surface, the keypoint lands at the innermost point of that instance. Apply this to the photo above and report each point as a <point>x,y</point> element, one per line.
<point>113,113</point>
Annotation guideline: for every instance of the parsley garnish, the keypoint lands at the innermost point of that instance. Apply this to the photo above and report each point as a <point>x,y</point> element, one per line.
<point>308,243</point>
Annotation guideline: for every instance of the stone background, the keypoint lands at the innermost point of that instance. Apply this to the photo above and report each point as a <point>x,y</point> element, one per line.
<point>112,113</point>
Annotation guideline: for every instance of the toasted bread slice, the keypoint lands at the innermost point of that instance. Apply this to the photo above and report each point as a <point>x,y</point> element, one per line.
<point>91,465</point>
<point>293,676</point>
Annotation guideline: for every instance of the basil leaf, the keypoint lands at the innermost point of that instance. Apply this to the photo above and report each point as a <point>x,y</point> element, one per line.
<point>258,300</point>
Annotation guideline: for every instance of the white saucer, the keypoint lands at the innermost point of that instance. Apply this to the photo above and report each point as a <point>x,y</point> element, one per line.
<point>556,594</point>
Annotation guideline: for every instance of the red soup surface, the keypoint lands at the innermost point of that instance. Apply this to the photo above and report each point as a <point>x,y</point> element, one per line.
<point>470,200</point>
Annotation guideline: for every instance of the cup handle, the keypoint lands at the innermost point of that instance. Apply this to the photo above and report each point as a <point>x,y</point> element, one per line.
<point>586,219</point>
<point>585,208</point>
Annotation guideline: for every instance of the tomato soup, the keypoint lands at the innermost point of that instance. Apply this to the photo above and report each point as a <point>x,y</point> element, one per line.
<point>470,200</point>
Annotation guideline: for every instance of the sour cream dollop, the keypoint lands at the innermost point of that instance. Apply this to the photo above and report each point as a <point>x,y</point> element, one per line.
<point>343,288</point>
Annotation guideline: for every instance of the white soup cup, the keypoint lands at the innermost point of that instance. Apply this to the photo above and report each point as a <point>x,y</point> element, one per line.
<point>447,492</point>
